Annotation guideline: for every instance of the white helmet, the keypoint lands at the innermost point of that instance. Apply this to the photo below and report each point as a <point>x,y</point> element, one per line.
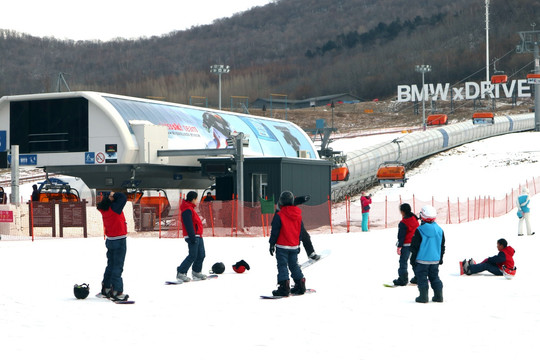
<point>428,213</point>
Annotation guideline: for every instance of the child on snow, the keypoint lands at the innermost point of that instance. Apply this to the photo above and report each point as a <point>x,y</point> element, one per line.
<point>500,264</point>
<point>427,250</point>
<point>523,201</point>
<point>285,242</point>
<point>406,229</point>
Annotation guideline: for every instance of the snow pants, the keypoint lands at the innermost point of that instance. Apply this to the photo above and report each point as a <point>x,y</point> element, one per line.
<point>287,259</point>
<point>485,266</point>
<point>424,272</point>
<point>116,254</point>
<point>403,260</point>
<point>195,257</point>
<point>526,216</point>
<point>365,221</point>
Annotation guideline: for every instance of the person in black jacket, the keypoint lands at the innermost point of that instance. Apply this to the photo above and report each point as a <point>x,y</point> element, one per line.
<point>35,193</point>
<point>3,196</point>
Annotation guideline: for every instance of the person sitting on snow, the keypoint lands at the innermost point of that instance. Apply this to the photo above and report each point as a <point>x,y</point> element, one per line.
<point>499,265</point>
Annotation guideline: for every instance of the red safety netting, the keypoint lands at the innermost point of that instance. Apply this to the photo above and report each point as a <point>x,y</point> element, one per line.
<point>235,218</point>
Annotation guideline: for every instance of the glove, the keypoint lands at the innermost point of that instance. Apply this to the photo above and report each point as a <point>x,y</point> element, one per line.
<point>191,240</point>
<point>399,251</point>
<point>440,262</point>
<point>272,249</point>
<point>298,251</point>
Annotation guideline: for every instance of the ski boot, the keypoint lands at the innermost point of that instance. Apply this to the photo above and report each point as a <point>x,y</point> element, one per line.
<point>423,298</point>
<point>119,296</point>
<point>283,289</point>
<point>438,296</point>
<point>299,287</point>
<point>198,275</point>
<point>182,277</point>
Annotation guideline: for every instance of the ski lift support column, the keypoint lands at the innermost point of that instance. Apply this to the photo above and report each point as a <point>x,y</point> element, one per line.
<point>530,41</point>
<point>238,141</point>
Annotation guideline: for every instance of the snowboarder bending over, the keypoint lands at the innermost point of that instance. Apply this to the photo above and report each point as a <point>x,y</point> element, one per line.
<point>285,242</point>
<point>500,264</point>
<point>427,250</point>
<point>406,229</point>
<point>111,208</point>
<point>192,229</point>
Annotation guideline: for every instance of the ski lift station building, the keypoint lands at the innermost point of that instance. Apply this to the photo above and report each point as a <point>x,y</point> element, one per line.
<point>117,142</point>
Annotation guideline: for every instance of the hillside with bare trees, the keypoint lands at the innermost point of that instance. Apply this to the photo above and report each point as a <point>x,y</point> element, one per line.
<point>302,48</point>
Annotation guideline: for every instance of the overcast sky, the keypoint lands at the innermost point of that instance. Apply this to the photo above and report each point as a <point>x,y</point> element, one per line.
<point>108,19</point>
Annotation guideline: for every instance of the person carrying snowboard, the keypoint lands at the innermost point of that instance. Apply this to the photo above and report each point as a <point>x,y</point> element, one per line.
<point>427,251</point>
<point>192,229</point>
<point>285,242</point>
<point>406,229</point>
<point>111,208</point>
<point>499,265</point>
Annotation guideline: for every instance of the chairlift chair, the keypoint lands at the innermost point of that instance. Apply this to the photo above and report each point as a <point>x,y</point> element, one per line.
<point>483,119</point>
<point>390,173</point>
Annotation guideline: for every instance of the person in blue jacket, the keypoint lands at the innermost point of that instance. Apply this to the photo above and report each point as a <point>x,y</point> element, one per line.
<point>427,251</point>
<point>285,242</point>
<point>523,201</point>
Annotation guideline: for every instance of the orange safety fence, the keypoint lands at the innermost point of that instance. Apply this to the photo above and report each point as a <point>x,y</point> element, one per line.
<point>235,218</point>
<point>223,218</point>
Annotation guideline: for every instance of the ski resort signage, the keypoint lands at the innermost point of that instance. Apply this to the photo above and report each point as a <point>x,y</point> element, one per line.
<point>470,91</point>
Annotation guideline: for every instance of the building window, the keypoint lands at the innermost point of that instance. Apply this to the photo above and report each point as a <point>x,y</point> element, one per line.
<point>45,126</point>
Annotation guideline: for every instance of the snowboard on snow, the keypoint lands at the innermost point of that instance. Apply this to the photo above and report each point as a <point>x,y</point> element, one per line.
<point>308,291</point>
<point>396,286</point>
<point>101,296</point>
<point>179,282</point>
<point>310,262</point>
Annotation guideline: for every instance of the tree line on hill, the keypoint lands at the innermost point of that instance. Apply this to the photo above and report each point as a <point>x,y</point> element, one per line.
<point>302,49</point>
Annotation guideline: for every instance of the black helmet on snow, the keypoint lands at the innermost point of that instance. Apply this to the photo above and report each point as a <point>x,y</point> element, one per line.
<point>81,291</point>
<point>286,198</point>
<point>218,268</point>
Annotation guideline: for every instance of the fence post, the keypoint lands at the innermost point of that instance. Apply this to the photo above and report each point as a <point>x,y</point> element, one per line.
<point>232,216</point>
<point>468,210</point>
<point>330,214</point>
<point>449,216</point>
<point>32,218</point>
<point>386,212</point>
<point>159,214</point>
<point>458,212</point>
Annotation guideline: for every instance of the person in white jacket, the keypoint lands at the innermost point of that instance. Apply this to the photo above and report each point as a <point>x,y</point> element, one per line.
<point>522,203</point>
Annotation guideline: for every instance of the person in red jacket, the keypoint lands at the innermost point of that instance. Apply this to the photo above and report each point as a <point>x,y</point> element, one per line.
<point>192,229</point>
<point>365,200</point>
<point>111,208</point>
<point>285,242</point>
<point>498,265</point>
<point>406,228</point>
